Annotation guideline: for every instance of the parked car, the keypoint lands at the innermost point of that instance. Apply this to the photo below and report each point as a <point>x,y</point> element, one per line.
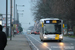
<point>32,32</point>
<point>36,32</point>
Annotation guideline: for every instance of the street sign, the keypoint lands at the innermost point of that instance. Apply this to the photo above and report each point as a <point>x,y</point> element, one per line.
<point>63,25</point>
<point>54,21</point>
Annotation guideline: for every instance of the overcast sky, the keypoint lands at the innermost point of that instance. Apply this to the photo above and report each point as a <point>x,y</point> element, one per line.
<point>27,14</point>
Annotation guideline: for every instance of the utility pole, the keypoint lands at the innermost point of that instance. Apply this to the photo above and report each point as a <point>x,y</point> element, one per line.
<point>6,14</point>
<point>17,14</point>
<point>14,12</point>
<point>10,19</point>
<point>18,18</point>
<point>14,16</point>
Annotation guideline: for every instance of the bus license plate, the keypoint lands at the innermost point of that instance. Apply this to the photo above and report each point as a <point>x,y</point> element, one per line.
<point>57,37</point>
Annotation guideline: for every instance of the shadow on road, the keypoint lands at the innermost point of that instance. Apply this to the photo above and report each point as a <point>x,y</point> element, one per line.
<point>51,41</point>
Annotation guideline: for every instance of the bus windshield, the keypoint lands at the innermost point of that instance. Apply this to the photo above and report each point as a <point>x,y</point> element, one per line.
<point>52,29</point>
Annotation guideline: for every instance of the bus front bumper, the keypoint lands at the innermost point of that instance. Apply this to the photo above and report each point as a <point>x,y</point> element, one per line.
<point>45,38</point>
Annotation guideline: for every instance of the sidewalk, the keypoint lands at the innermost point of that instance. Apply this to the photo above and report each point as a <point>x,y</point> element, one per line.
<point>19,42</point>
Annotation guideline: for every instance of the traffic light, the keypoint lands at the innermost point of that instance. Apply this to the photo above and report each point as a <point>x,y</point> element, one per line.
<point>29,23</point>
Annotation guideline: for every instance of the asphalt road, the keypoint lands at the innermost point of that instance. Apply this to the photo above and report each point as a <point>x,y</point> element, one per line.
<point>66,44</point>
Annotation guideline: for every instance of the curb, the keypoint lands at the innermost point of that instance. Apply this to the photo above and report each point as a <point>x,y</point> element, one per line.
<point>28,42</point>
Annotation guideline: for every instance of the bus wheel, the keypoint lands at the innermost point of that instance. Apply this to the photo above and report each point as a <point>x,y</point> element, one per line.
<point>60,40</point>
<point>41,40</point>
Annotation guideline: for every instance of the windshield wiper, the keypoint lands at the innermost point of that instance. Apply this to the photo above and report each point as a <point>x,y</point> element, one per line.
<point>53,33</point>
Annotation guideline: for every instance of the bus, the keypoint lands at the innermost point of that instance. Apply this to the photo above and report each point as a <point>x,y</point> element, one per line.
<point>51,29</point>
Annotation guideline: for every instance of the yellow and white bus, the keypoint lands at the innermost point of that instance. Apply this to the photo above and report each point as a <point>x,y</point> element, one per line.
<point>51,29</point>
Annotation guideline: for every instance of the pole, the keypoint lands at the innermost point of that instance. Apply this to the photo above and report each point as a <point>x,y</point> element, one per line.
<point>6,14</point>
<point>10,19</point>
<point>18,17</point>
<point>14,16</point>
<point>14,11</point>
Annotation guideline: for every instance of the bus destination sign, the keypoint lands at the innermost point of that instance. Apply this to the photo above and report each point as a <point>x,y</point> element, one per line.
<point>52,21</point>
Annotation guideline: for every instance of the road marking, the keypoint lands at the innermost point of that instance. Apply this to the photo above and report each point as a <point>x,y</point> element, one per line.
<point>71,43</point>
<point>41,43</point>
<point>33,44</point>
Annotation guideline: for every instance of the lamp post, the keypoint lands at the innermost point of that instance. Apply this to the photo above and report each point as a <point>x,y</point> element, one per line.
<point>17,13</point>
<point>10,19</point>
<point>6,14</point>
<point>14,11</point>
<point>21,10</point>
<point>18,16</point>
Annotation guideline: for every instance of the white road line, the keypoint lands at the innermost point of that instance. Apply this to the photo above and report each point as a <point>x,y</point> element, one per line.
<point>41,43</point>
<point>33,44</point>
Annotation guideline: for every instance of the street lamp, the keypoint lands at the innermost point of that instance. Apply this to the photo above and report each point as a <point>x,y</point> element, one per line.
<point>21,10</point>
<point>6,14</point>
<point>21,14</point>
<point>17,12</point>
<point>18,16</point>
<point>10,19</point>
<point>20,5</point>
<point>14,12</point>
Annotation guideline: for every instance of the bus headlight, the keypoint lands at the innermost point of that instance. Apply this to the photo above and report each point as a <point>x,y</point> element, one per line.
<point>61,37</point>
<point>45,37</point>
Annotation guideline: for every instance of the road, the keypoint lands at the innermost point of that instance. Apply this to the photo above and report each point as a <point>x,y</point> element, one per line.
<point>66,44</point>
